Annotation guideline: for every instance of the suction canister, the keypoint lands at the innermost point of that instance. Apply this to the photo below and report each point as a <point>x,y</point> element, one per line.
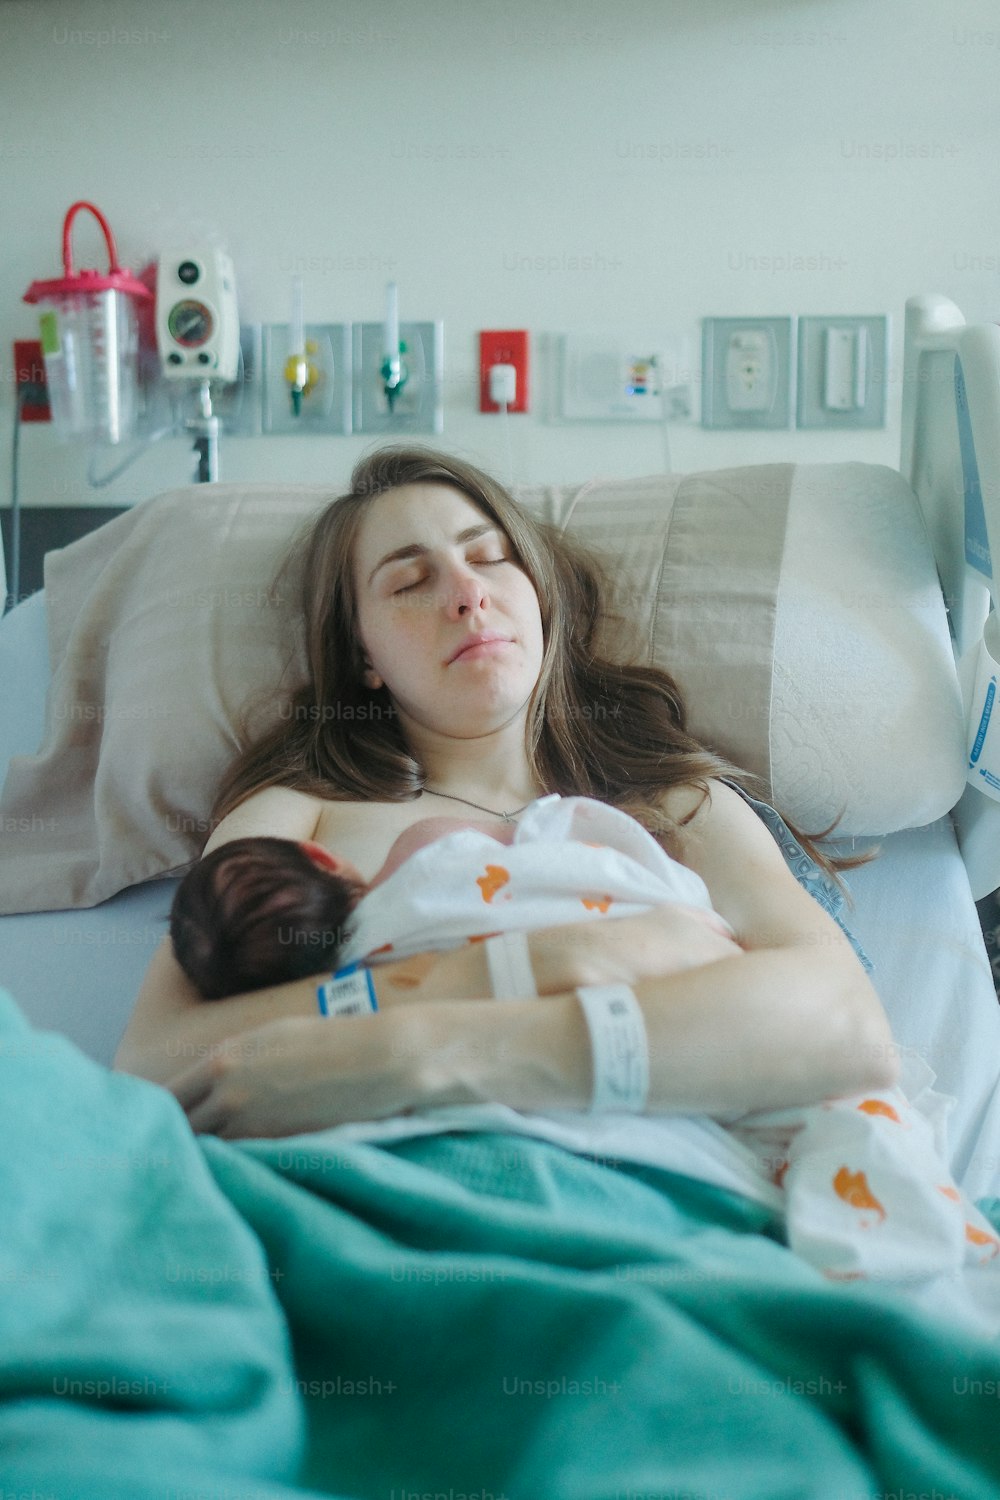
<point>89,331</point>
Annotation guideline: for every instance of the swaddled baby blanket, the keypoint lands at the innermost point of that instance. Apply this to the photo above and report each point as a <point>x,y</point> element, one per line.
<point>572,859</point>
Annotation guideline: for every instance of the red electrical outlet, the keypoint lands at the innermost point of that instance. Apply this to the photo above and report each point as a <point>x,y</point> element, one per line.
<point>508,347</point>
<point>29,375</point>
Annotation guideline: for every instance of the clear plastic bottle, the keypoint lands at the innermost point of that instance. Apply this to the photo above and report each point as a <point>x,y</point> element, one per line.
<point>89,331</point>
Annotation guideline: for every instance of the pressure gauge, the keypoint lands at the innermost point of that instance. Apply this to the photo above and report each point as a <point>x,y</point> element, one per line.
<point>190,324</point>
<point>197,324</point>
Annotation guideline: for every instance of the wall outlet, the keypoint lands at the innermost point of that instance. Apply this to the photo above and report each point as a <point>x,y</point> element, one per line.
<point>751,370</point>
<point>841,376</point>
<point>498,347</point>
<point>746,372</point>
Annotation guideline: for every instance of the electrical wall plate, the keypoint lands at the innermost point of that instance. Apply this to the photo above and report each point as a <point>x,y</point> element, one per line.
<point>842,371</point>
<point>602,380</point>
<point>503,347</point>
<point>420,406</point>
<point>746,372</point>
<point>326,402</point>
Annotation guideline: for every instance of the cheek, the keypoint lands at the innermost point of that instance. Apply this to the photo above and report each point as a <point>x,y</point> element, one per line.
<point>386,638</point>
<point>367,635</point>
<point>531,614</point>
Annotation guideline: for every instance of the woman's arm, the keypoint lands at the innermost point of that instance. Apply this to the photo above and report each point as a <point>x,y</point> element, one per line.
<point>792,1019</point>
<point>171,1027</point>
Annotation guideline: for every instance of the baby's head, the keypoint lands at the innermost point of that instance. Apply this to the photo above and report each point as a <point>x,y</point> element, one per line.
<point>261,911</point>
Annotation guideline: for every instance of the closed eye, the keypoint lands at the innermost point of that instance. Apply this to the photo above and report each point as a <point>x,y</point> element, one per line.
<point>482,562</point>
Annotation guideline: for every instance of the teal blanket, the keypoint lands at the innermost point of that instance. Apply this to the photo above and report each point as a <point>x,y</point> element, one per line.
<point>457,1316</point>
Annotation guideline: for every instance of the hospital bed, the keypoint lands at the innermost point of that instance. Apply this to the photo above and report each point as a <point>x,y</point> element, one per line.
<point>824,623</point>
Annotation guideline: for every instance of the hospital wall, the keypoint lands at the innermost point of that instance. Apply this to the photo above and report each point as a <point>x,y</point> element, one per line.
<point>577,167</point>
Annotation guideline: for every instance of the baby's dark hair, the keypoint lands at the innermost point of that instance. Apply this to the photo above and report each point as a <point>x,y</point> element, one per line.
<point>257,912</point>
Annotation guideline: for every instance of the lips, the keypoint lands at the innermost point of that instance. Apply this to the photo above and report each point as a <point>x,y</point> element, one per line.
<point>485,638</point>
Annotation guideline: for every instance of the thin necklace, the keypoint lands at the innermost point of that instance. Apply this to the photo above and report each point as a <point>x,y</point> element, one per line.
<point>508,817</point>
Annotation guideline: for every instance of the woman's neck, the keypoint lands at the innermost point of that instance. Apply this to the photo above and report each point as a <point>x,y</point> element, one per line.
<point>491,772</point>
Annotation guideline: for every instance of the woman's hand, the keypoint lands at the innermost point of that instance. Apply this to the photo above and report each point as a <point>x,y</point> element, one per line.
<point>659,943</point>
<point>625,950</point>
<point>299,1074</point>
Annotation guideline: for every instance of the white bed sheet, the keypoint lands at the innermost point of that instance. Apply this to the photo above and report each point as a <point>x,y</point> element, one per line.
<point>916,919</point>
<point>78,972</point>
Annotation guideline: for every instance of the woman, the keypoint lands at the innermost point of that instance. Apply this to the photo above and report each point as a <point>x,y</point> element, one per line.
<point>450,643</point>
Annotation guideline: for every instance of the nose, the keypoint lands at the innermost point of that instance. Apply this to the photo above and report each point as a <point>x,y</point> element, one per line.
<point>464,592</point>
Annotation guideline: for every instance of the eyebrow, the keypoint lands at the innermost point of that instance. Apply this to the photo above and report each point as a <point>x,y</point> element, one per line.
<point>415,549</point>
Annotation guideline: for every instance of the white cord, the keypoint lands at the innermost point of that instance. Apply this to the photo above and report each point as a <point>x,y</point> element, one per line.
<point>505,418</point>
<point>98,481</point>
<point>503,391</point>
<point>665,418</point>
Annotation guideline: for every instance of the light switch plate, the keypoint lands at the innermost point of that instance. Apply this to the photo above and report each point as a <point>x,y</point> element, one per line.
<point>842,371</point>
<point>746,372</point>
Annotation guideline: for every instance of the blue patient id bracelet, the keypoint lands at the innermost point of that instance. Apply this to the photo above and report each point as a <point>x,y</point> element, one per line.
<point>350,992</point>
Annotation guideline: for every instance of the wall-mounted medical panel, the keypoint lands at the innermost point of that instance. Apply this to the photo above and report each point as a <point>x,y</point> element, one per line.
<point>842,371</point>
<point>746,372</point>
<point>419,405</point>
<point>601,379</point>
<point>605,382</point>
<point>325,404</point>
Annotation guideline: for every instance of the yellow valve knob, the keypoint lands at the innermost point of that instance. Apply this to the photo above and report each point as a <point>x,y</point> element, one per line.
<point>297,372</point>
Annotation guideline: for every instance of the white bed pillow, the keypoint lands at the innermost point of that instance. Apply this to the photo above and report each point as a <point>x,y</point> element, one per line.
<point>796,605</point>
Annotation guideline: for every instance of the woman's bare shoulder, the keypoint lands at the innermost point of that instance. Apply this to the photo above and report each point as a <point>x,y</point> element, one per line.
<point>275,811</point>
<point>741,863</point>
<point>697,815</point>
<point>681,803</point>
<point>707,821</point>
<point>361,831</point>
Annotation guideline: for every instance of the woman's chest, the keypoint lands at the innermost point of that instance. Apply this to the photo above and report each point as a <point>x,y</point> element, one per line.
<point>364,832</point>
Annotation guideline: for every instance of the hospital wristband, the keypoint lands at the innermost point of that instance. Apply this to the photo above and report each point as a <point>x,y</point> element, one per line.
<point>350,992</point>
<point>619,1047</point>
<point>509,964</point>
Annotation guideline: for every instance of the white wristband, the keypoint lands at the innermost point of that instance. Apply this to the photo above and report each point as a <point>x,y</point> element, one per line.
<point>351,992</point>
<point>509,963</point>
<point>619,1046</point>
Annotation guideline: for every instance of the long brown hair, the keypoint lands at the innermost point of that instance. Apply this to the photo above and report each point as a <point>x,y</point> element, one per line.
<point>595,728</point>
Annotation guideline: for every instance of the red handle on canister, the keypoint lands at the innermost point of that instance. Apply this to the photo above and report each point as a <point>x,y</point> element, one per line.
<point>115,279</point>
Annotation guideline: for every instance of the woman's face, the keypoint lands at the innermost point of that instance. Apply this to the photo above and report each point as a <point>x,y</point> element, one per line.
<point>449,622</point>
